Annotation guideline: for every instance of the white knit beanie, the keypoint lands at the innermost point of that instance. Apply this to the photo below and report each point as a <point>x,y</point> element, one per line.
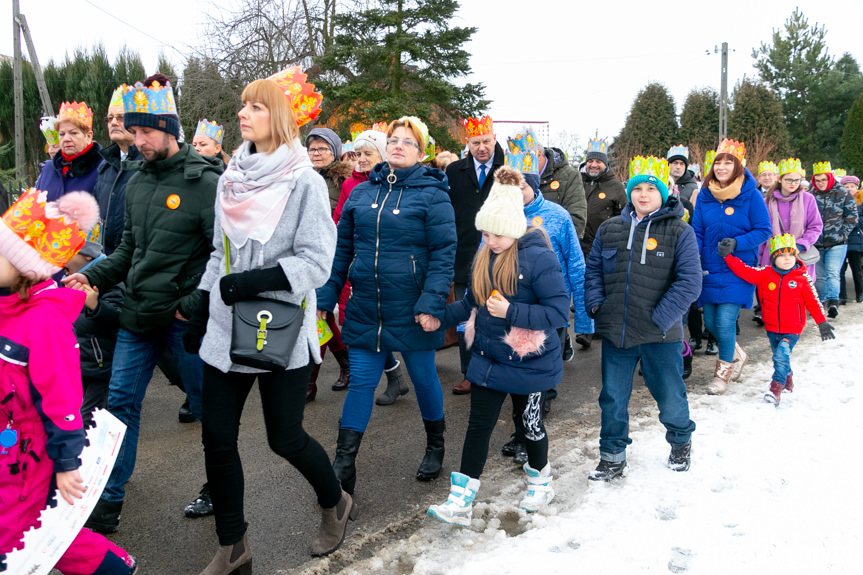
<point>378,140</point>
<point>502,213</point>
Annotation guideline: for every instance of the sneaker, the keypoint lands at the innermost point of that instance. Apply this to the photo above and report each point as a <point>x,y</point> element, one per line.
<point>539,491</point>
<point>519,457</point>
<point>678,460</point>
<point>202,506</point>
<point>775,394</point>
<point>756,317</point>
<point>694,344</point>
<point>607,470</point>
<point>458,508</point>
<point>568,352</point>
<point>508,449</point>
<point>712,348</point>
<point>789,383</point>
<point>105,517</point>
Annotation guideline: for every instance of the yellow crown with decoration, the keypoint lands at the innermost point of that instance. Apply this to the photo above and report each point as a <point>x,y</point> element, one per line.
<point>649,166</point>
<point>48,126</point>
<point>784,244</point>
<point>523,141</point>
<point>305,102</point>
<point>211,130</point>
<point>789,165</point>
<point>767,166</point>
<point>525,161</point>
<point>117,96</point>
<point>709,158</point>
<point>153,99</point>
<point>839,173</point>
<point>430,151</point>
<point>597,145</point>
<point>821,168</point>
<point>380,127</point>
<point>479,126</point>
<point>78,113</point>
<point>733,147</point>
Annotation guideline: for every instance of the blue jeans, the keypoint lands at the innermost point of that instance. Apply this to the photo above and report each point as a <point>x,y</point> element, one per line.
<point>662,366</point>
<point>135,357</point>
<point>827,272</point>
<point>367,367</point>
<point>782,344</point>
<point>721,322</point>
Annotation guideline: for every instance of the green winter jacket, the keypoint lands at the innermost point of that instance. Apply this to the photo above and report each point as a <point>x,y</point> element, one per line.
<point>561,183</point>
<point>167,239</point>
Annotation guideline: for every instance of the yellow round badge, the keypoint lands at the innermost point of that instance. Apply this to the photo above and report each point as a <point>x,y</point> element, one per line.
<point>729,210</point>
<point>601,195</point>
<point>771,286</point>
<point>173,201</point>
<point>651,243</point>
<point>536,222</point>
<point>554,185</point>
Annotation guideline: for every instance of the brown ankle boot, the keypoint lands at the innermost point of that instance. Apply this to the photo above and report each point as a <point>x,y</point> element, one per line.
<point>740,359</point>
<point>344,379</point>
<point>233,559</point>
<point>312,389</point>
<point>334,523</point>
<point>721,377</point>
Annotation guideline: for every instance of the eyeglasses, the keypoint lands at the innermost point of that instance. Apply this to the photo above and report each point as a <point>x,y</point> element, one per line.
<point>396,142</point>
<point>318,150</point>
<point>110,117</point>
<point>790,181</point>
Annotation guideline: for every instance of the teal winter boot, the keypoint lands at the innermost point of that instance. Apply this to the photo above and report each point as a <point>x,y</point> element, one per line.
<point>539,491</point>
<point>458,508</point>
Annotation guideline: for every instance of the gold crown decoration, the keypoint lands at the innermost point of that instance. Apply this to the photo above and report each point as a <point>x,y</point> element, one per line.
<point>650,166</point>
<point>48,126</point>
<point>117,96</point>
<point>733,147</point>
<point>708,161</point>
<point>839,173</point>
<point>152,99</point>
<point>784,244</point>
<point>524,161</point>
<point>523,141</point>
<point>479,126</point>
<point>210,129</point>
<point>789,165</point>
<point>305,102</point>
<point>821,168</point>
<point>76,112</point>
<point>767,166</point>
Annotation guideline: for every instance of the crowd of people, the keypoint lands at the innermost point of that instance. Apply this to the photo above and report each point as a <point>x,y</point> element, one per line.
<point>152,251</point>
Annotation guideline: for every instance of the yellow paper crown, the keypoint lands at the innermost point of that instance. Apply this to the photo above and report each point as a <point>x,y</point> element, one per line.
<point>424,130</point>
<point>789,165</point>
<point>733,147</point>
<point>117,96</point>
<point>708,161</point>
<point>479,126</point>
<point>783,244</point>
<point>305,102</point>
<point>48,126</point>
<point>767,166</point>
<point>821,168</point>
<point>839,173</point>
<point>77,112</point>
<point>210,129</point>
<point>649,166</point>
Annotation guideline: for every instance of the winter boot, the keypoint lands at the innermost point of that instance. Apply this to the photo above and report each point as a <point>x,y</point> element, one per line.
<point>687,360</point>
<point>233,559</point>
<point>832,308</point>
<point>458,507</point>
<point>539,491</point>
<point>344,379</point>
<point>756,315</point>
<point>334,524</point>
<point>789,383</point>
<point>185,414</point>
<point>740,359</point>
<point>774,394</point>
<point>346,455</point>
<point>607,470</point>
<point>721,377</point>
<point>312,389</point>
<point>584,340</point>
<point>112,564</point>
<point>396,385</point>
<point>202,506</point>
<point>679,458</point>
<point>430,467</point>
<point>712,348</point>
<point>105,517</point>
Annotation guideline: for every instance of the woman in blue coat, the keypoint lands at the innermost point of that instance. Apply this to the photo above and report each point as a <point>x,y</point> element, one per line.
<point>730,216</point>
<point>396,246</point>
<point>513,306</point>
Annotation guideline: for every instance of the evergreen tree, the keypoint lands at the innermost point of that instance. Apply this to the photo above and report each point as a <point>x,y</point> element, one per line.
<point>651,126</point>
<point>34,142</point>
<point>756,120</point>
<point>852,138</point>
<point>207,94</point>
<point>397,58</point>
<point>831,101</point>
<point>699,121</point>
<point>128,68</point>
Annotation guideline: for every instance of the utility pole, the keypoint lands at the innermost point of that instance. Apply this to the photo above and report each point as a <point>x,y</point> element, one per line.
<point>723,95</point>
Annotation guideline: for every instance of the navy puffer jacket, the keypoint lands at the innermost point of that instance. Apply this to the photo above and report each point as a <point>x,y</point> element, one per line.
<point>540,303</point>
<point>396,246</point>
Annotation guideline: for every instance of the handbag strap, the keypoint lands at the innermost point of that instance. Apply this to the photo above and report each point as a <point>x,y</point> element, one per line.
<point>228,262</point>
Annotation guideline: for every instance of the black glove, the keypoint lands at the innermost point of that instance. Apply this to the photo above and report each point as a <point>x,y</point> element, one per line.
<point>826,331</point>
<point>196,327</point>
<point>246,285</point>
<point>727,246</point>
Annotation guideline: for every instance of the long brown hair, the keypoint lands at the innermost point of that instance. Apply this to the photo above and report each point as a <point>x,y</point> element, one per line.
<point>504,273</point>
<point>738,169</point>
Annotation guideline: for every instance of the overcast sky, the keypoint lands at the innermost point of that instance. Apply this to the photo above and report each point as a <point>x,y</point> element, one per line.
<point>577,65</point>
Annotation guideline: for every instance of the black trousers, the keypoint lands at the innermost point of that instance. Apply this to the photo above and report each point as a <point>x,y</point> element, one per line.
<point>485,407</point>
<point>854,260</point>
<point>283,397</point>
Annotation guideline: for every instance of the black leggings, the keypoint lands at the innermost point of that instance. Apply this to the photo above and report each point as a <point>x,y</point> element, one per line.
<point>283,397</point>
<point>485,407</point>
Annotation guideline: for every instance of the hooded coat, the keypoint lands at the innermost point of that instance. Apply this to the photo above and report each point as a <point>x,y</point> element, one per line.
<point>686,185</point>
<point>81,176</point>
<point>561,184</point>
<point>396,246</point>
<point>812,224</point>
<point>606,197</point>
<point>110,192</point>
<point>838,212</point>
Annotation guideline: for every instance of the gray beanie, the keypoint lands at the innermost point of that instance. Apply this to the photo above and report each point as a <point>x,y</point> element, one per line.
<point>597,155</point>
<point>331,138</point>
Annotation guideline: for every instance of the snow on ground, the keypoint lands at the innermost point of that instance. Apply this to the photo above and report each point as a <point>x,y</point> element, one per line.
<point>770,490</point>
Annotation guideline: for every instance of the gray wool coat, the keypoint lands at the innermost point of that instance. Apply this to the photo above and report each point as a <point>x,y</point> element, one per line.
<point>303,245</point>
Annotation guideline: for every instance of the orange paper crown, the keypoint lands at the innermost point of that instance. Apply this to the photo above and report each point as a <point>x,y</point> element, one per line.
<point>733,147</point>
<point>479,126</point>
<point>77,112</point>
<point>380,127</point>
<point>302,96</point>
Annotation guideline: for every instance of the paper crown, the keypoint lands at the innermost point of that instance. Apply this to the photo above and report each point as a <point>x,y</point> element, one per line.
<point>678,151</point>
<point>380,127</point>
<point>77,112</point>
<point>210,129</point>
<point>117,96</point>
<point>733,147</point>
<point>49,129</point>
<point>348,147</point>
<point>784,244</point>
<point>694,168</point>
<point>479,126</point>
<point>597,145</point>
<point>305,102</point>
<point>789,165</point>
<point>430,150</point>
<point>424,130</point>
<point>821,168</point>
<point>708,160</point>
<point>526,161</point>
<point>767,166</point>
<point>523,141</point>
<point>839,173</point>
<point>155,99</point>
<point>649,166</point>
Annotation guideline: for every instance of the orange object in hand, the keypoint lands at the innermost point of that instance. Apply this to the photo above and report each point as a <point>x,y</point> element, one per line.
<point>495,294</point>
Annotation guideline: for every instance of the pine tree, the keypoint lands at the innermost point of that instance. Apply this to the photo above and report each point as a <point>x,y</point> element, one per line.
<point>395,59</point>
<point>852,138</point>
<point>206,93</point>
<point>699,121</point>
<point>128,68</point>
<point>756,120</point>
<point>651,126</point>
<point>831,101</point>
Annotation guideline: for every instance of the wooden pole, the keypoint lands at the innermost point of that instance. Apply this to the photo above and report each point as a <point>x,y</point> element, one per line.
<point>20,157</point>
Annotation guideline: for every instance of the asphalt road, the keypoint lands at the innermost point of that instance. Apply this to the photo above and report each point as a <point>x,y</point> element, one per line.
<point>280,505</point>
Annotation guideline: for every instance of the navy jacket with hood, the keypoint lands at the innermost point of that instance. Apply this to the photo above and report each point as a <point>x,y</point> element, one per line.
<point>110,192</point>
<point>81,176</point>
<point>396,246</point>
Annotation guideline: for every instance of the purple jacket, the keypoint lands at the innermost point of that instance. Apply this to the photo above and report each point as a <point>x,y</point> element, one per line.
<point>812,224</point>
<point>81,176</point>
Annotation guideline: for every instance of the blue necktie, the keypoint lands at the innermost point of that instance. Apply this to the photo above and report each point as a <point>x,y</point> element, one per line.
<point>482,169</point>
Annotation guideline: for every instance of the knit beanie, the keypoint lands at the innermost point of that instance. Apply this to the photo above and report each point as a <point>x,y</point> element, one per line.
<point>151,105</point>
<point>331,138</point>
<point>373,138</point>
<point>39,238</point>
<point>850,180</point>
<point>502,213</point>
<point>597,155</point>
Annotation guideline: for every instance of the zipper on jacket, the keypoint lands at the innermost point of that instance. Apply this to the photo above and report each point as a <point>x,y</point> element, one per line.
<point>391,179</point>
<point>416,278</point>
<point>779,305</point>
<point>626,293</point>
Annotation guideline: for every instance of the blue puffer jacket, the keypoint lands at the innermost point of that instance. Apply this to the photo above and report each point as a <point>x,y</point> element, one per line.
<point>855,240</point>
<point>397,247</point>
<point>81,177</point>
<point>744,218</point>
<point>540,303</point>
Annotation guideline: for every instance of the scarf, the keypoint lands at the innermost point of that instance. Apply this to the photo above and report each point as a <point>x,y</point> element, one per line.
<point>66,162</point>
<point>796,227</point>
<point>255,188</point>
<point>858,197</point>
<point>729,192</point>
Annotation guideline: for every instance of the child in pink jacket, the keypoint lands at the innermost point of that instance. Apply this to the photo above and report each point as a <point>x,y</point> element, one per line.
<point>40,377</point>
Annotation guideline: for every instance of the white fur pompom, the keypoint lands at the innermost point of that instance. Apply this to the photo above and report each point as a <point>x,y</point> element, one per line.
<point>80,207</point>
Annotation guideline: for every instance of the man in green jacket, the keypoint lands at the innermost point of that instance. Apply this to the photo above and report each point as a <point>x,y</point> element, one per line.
<point>166,242</point>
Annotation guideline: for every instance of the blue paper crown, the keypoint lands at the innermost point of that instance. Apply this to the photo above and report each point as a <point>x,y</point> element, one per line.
<point>597,145</point>
<point>348,147</point>
<point>678,151</point>
<point>526,162</point>
<point>524,141</point>
<point>156,99</point>
<point>210,129</point>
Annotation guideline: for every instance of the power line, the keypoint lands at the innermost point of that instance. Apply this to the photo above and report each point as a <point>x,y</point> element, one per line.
<point>161,43</point>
